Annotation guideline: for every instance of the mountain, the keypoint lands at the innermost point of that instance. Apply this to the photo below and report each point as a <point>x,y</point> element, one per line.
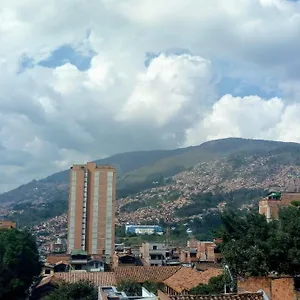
<point>144,171</point>
<point>236,181</point>
<point>137,170</point>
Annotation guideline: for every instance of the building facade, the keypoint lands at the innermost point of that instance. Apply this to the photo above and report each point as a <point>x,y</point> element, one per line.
<point>270,205</point>
<point>91,214</point>
<point>154,254</point>
<point>144,229</point>
<point>8,224</point>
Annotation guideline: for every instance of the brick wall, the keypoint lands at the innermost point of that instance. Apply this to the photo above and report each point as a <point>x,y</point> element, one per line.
<point>254,284</point>
<point>162,296</point>
<point>211,253</point>
<point>271,205</point>
<point>287,198</point>
<point>202,250</point>
<point>115,261</point>
<point>182,257</point>
<point>192,243</point>
<point>276,288</point>
<point>283,289</point>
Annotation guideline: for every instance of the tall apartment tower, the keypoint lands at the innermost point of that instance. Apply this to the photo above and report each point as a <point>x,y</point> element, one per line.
<point>91,214</point>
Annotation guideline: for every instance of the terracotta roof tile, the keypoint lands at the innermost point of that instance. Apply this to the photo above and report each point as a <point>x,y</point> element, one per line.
<point>54,258</point>
<point>48,279</point>
<point>97,278</point>
<point>146,273</point>
<point>187,278</point>
<point>62,262</point>
<point>246,296</point>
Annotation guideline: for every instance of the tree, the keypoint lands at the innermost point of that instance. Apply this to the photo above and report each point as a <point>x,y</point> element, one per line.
<point>251,246</point>
<point>130,287</point>
<point>19,263</point>
<point>81,290</point>
<point>215,286</point>
<point>246,243</point>
<point>285,244</point>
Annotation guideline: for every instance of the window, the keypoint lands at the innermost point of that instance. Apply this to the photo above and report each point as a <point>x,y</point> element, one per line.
<point>154,247</point>
<point>96,265</point>
<point>47,271</point>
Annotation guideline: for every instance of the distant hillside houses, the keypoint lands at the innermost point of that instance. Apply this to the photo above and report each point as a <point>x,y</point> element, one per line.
<point>143,229</point>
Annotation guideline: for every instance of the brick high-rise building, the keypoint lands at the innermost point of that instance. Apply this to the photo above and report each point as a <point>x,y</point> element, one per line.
<point>91,214</point>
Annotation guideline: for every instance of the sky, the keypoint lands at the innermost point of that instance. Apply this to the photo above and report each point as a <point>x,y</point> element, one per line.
<point>82,80</point>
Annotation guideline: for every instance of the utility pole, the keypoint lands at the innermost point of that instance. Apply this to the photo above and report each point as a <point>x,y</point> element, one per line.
<point>227,270</point>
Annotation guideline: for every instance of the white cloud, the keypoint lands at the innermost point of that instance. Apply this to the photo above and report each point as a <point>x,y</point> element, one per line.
<point>174,87</point>
<point>249,117</point>
<point>52,117</point>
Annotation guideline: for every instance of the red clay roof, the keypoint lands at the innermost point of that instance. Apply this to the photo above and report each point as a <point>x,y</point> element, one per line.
<point>246,296</point>
<point>187,278</point>
<point>145,273</point>
<point>55,258</point>
<point>49,279</point>
<point>97,278</point>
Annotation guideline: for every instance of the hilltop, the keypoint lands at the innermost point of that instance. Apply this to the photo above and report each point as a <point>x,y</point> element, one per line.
<point>220,167</point>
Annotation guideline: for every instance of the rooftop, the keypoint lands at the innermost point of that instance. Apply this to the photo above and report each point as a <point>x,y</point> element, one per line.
<point>146,273</point>
<point>78,252</point>
<point>97,278</point>
<point>186,278</point>
<point>246,296</point>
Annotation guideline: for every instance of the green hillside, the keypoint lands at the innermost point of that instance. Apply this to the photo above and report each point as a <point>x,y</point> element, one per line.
<point>140,170</point>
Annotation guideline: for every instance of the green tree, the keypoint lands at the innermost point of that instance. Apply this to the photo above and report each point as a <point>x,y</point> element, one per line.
<point>130,287</point>
<point>285,244</point>
<point>215,286</point>
<point>246,243</point>
<point>81,290</point>
<point>19,263</point>
<point>251,246</point>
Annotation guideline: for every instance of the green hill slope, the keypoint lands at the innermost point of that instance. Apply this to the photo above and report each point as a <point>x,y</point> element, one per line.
<point>138,170</point>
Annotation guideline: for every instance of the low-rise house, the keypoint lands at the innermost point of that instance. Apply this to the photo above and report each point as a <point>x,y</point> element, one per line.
<point>78,260</point>
<point>176,280</point>
<point>269,206</point>
<point>201,251</point>
<point>95,264</point>
<point>154,254</point>
<point>185,279</point>
<point>55,258</point>
<point>50,269</point>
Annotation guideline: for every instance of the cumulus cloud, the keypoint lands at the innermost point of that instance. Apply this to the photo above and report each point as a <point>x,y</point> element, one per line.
<point>136,93</point>
<point>249,117</point>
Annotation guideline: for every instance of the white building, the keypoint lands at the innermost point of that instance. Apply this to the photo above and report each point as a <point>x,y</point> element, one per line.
<point>144,229</point>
